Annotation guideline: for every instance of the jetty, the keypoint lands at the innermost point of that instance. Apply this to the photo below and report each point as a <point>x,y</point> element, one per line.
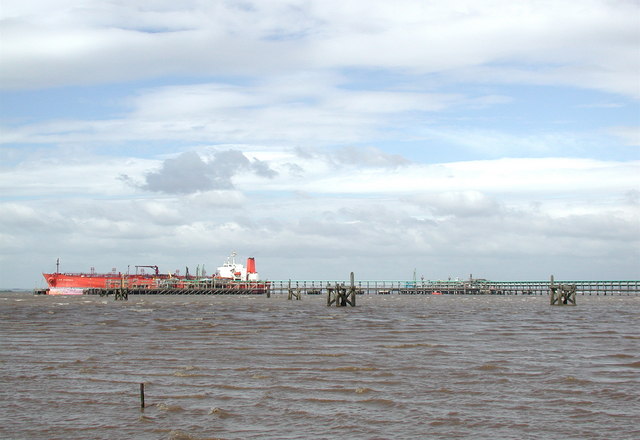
<point>378,287</point>
<point>193,288</point>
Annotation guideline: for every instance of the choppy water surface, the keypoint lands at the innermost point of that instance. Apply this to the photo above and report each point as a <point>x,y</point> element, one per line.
<point>394,367</point>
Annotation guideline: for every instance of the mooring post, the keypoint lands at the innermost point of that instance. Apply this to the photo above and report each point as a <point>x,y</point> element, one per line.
<point>342,296</point>
<point>122,292</point>
<point>562,294</point>
<point>330,296</point>
<point>353,290</point>
<point>142,395</point>
<point>293,294</point>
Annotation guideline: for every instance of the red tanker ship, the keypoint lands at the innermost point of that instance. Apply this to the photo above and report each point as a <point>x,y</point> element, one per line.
<point>232,273</point>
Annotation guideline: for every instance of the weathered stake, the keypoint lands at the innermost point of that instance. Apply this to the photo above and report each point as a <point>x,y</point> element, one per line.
<point>293,293</point>
<point>353,289</point>
<point>341,296</point>
<point>563,294</point>
<point>121,293</point>
<point>142,395</point>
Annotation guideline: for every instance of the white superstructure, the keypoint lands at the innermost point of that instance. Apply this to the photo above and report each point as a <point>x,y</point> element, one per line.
<point>236,271</point>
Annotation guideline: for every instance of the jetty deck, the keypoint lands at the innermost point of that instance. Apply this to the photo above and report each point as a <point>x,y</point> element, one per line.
<point>468,287</point>
<point>176,291</point>
<point>457,287</point>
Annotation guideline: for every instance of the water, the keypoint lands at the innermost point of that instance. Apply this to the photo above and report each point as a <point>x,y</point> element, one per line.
<point>394,367</point>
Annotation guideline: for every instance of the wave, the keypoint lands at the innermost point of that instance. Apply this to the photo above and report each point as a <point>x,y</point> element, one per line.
<point>412,345</point>
<point>169,408</point>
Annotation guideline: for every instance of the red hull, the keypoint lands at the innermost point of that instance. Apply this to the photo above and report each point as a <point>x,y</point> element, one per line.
<point>86,280</point>
<point>75,284</point>
<point>229,275</point>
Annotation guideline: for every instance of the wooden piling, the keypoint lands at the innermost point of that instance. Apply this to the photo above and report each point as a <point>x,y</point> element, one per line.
<point>142,395</point>
<point>352,290</point>
<point>294,293</point>
<point>122,292</point>
<point>341,296</point>
<point>562,294</point>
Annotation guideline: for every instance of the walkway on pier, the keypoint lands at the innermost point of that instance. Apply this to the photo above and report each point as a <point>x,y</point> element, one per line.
<point>175,291</point>
<point>469,287</point>
<point>315,287</point>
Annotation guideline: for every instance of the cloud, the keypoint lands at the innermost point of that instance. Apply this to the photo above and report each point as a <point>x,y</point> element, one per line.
<point>500,219</point>
<point>629,135</point>
<point>262,169</point>
<point>188,173</point>
<point>592,44</point>
<point>458,204</point>
<point>304,108</point>
<point>368,157</point>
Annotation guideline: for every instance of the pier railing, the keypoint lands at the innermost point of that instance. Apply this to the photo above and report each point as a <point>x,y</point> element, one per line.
<point>368,287</point>
<point>459,287</point>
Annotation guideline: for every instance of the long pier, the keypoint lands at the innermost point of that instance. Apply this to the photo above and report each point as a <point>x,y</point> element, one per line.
<point>192,290</point>
<point>320,287</point>
<point>460,287</point>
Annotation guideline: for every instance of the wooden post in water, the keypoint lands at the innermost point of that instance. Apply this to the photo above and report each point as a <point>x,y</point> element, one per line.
<point>352,290</point>
<point>293,294</point>
<point>330,296</point>
<point>563,294</point>
<point>122,292</point>
<point>341,296</point>
<point>142,395</point>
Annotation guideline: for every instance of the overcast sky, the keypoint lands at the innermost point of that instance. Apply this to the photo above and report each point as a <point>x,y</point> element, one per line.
<point>450,137</point>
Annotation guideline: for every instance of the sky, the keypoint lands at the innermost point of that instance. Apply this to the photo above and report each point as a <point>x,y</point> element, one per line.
<point>436,139</point>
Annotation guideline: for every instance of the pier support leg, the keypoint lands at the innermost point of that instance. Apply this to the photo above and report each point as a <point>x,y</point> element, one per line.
<point>293,293</point>
<point>341,296</point>
<point>562,294</point>
<point>122,294</point>
<point>352,290</point>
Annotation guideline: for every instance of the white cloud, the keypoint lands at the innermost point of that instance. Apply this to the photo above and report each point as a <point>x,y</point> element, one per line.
<point>458,203</point>
<point>592,44</point>
<point>188,173</point>
<point>629,135</point>
<point>67,176</point>
<point>445,218</point>
<point>309,109</point>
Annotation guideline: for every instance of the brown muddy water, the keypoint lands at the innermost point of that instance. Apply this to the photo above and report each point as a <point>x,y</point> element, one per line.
<point>394,367</point>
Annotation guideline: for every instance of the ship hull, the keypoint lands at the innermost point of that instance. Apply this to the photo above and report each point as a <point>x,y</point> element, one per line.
<point>230,277</point>
<point>71,283</point>
<point>78,284</point>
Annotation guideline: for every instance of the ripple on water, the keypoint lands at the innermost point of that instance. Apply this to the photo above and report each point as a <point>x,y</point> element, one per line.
<point>444,367</point>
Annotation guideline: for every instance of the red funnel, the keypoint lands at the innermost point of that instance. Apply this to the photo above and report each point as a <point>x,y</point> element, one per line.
<point>251,265</point>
